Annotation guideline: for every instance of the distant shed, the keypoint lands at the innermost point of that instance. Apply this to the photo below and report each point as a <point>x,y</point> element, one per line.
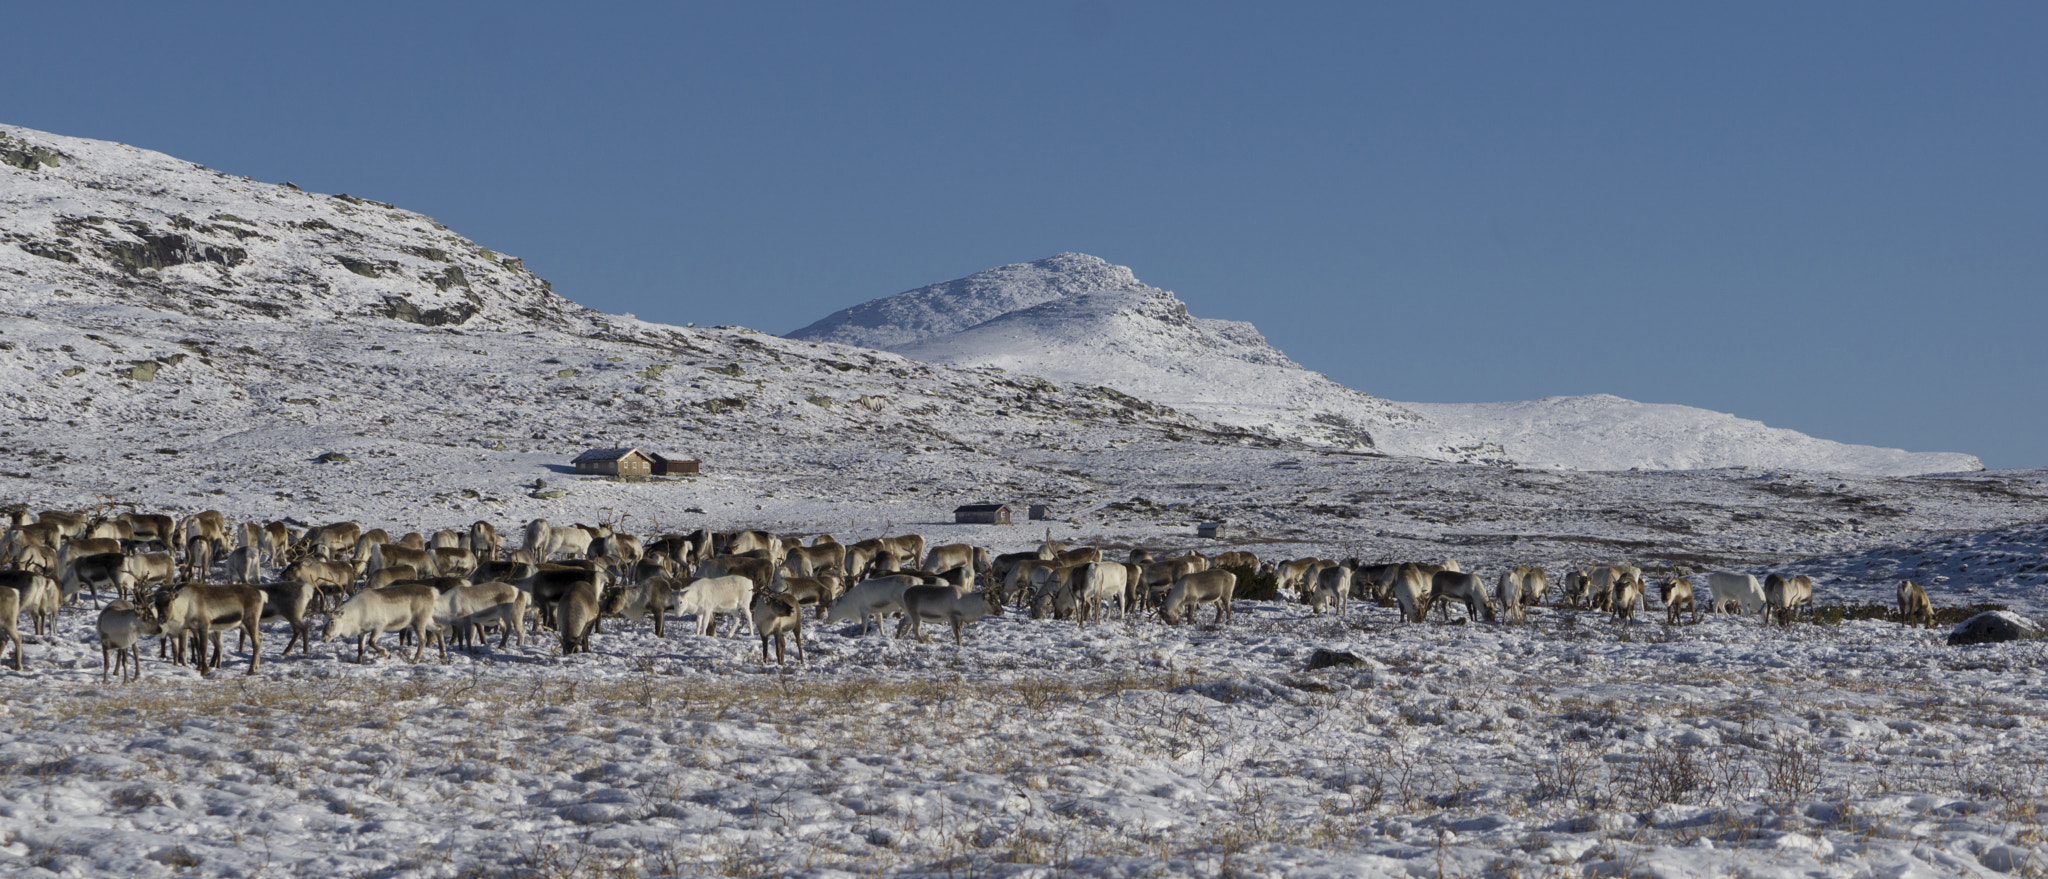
<point>614,462</point>
<point>674,466</point>
<point>1214,530</point>
<point>982,514</point>
<point>1040,512</point>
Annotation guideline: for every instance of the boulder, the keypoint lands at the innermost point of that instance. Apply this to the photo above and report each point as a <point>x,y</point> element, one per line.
<point>1993,627</point>
<point>1324,658</point>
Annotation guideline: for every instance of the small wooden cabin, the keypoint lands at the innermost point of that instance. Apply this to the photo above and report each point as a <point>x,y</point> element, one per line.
<point>1213,530</point>
<point>615,462</point>
<point>674,466</point>
<point>982,514</point>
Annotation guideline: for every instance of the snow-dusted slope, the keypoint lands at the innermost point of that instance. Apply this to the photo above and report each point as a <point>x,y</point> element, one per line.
<point>1144,343</point>
<point>88,221</point>
<point>1605,432</point>
<point>1075,317</point>
<point>939,309</point>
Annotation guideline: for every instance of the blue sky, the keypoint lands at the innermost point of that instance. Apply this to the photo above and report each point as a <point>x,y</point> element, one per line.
<point>1831,217</point>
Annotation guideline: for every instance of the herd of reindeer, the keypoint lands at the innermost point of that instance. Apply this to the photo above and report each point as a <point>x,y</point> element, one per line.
<point>189,580</point>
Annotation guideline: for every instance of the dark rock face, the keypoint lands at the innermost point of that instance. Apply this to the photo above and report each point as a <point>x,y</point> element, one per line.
<point>164,251</point>
<point>1992,628</point>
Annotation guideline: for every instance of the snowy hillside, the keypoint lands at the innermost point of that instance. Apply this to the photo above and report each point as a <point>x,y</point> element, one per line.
<point>1605,432</point>
<point>1075,317</point>
<point>91,222</point>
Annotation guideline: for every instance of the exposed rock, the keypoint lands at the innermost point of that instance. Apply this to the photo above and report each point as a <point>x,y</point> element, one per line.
<point>332,458</point>
<point>1326,658</point>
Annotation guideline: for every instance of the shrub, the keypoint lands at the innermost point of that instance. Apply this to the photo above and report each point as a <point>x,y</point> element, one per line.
<point>1950,616</point>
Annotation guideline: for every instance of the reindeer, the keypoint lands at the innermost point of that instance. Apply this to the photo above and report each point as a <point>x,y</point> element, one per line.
<point>816,591</point>
<point>121,626</point>
<point>388,554</point>
<point>1676,593</point>
<point>10,622</point>
<point>287,601</point>
<point>195,608</point>
<point>243,567</point>
<point>938,603</point>
<point>209,526</point>
<point>576,616</point>
<point>453,561</point>
<point>1465,588</point>
<point>327,578</point>
<point>38,596</point>
<point>822,555</point>
<point>152,568</point>
<point>372,612</point>
<point>277,538</point>
<point>1914,608</point>
<point>775,616</point>
<point>1412,591</point>
<point>483,540</point>
<point>652,597</point>
<point>64,523</point>
<point>551,584</point>
<point>1784,597</point>
<point>1332,589</point>
<point>198,559</point>
<point>1293,576</point>
<point>758,570</point>
<point>1735,593</point>
<point>868,600</point>
<point>1196,588</point>
<point>1100,582</point>
<point>1513,591</point>
<point>467,609</point>
<point>958,555</point>
<point>1627,595</point>
<point>108,569</point>
<point>706,597</point>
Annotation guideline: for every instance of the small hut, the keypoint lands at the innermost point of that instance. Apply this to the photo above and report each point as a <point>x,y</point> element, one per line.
<point>1216,530</point>
<point>1040,512</point>
<point>982,514</point>
<point>614,462</point>
<point>673,466</point>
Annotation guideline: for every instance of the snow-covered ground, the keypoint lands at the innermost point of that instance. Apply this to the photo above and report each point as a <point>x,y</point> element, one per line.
<point>1574,746</point>
<point>1570,747</point>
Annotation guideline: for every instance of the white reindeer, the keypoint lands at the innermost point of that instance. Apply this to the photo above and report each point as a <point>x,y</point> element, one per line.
<point>1737,590</point>
<point>868,600</point>
<point>1195,589</point>
<point>706,597</point>
<point>373,612</point>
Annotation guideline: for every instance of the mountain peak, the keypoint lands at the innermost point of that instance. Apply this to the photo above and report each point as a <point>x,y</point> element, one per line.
<point>943,309</point>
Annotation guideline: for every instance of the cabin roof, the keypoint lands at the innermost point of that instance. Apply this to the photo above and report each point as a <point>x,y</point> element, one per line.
<point>595,455</point>
<point>981,508</point>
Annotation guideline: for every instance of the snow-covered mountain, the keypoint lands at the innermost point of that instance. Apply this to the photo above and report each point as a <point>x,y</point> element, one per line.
<point>1075,317</point>
<point>93,222</point>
